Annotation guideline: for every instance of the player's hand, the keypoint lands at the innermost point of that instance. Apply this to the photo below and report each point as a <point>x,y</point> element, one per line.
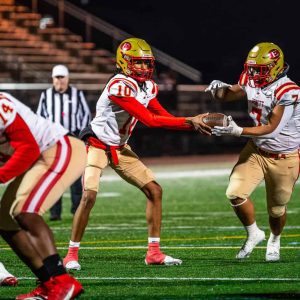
<point>199,125</point>
<point>216,88</point>
<point>232,129</point>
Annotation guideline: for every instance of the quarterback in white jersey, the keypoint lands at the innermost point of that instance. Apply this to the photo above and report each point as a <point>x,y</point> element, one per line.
<point>38,162</point>
<point>272,153</point>
<point>129,96</point>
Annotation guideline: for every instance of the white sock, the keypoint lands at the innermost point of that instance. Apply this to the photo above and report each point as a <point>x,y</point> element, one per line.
<point>274,238</point>
<point>153,240</point>
<point>74,244</point>
<point>252,229</point>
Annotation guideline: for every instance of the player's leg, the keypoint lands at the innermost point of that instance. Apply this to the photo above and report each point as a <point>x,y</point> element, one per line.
<point>245,177</point>
<point>280,182</point>
<point>96,161</point>
<point>131,169</point>
<point>76,194</point>
<point>57,168</point>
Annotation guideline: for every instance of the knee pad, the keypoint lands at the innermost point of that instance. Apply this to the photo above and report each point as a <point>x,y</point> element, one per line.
<point>277,211</point>
<point>239,201</point>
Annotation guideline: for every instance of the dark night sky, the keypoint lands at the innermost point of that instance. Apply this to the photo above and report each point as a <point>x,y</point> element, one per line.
<point>213,36</point>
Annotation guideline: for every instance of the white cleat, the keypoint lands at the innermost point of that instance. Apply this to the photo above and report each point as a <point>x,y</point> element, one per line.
<point>250,244</point>
<point>171,261</point>
<point>273,250</point>
<point>159,258</point>
<point>73,265</point>
<point>7,279</point>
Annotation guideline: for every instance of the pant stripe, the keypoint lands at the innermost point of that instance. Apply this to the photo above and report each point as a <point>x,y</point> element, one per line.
<point>50,178</point>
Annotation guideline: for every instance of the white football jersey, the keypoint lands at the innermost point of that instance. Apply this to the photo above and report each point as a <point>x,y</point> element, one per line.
<point>44,131</point>
<point>261,102</point>
<point>113,125</point>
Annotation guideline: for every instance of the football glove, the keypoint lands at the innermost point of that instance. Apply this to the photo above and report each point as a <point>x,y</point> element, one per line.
<point>232,129</point>
<point>216,85</point>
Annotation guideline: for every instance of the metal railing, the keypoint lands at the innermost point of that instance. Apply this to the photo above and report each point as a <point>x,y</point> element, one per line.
<point>117,35</point>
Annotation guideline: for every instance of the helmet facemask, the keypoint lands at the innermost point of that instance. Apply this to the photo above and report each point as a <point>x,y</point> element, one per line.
<point>142,73</point>
<point>259,75</point>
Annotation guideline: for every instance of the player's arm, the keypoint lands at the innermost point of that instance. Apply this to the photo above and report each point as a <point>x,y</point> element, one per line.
<point>277,120</point>
<point>225,92</point>
<point>156,108</point>
<point>137,110</point>
<point>26,150</point>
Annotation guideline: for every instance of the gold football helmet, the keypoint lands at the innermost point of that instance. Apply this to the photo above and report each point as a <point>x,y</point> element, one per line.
<point>135,59</point>
<point>264,63</point>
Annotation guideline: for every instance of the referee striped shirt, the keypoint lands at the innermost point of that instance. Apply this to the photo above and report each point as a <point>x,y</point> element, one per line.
<point>69,108</point>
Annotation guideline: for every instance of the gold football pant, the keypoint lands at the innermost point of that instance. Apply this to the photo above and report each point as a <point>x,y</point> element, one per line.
<point>129,167</point>
<point>36,190</point>
<point>253,167</point>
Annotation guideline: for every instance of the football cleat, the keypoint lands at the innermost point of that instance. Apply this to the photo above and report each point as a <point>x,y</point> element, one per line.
<point>63,287</point>
<point>273,250</point>
<point>73,265</point>
<point>7,279</point>
<point>39,293</point>
<point>71,260</point>
<point>250,244</point>
<point>159,258</point>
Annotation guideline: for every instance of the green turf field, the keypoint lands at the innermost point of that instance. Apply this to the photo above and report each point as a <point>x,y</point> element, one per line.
<point>199,227</point>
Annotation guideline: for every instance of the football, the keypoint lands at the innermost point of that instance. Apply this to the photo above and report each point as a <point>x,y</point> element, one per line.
<point>215,119</point>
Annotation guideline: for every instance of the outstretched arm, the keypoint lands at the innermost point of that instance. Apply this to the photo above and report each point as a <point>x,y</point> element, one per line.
<point>137,110</point>
<point>278,119</point>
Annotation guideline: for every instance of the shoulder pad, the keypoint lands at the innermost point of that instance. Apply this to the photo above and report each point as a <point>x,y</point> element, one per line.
<point>289,87</point>
<point>287,93</point>
<point>122,87</point>
<point>154,88</point>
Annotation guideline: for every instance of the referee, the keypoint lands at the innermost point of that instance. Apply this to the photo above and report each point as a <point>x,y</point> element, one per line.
<point>65,104</point>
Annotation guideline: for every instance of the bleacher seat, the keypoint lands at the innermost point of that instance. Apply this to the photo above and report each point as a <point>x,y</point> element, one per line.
<point>33,51</point>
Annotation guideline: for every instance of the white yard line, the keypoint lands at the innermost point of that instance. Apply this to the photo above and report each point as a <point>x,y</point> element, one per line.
<point>177,279</point>
<point>112,227</point>
<point>178,174</point>
<point>222,247</point>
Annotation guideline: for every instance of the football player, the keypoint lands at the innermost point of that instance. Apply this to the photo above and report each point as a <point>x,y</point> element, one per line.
<point>7,279</point>
<point>271,154</point>
<point>40,162</point>
<point>129,96</point>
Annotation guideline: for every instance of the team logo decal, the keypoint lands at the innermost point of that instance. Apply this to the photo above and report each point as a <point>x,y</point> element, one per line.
<point>274,54</point>
<point>126,46</point>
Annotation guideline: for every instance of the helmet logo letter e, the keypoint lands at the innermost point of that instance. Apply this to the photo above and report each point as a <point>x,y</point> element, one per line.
<point>274,54</point>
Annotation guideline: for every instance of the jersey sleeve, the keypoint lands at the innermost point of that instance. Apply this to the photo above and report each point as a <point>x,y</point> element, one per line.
<point>137,110</point>
<point>287,94</point>
<point>8,112</point>
<point>26,150</point>
<point>155,107</point>
<point>121,87</point>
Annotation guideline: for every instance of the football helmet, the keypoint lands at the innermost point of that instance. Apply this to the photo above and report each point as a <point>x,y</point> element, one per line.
<point>264,63</point>
<point>135,59</point>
